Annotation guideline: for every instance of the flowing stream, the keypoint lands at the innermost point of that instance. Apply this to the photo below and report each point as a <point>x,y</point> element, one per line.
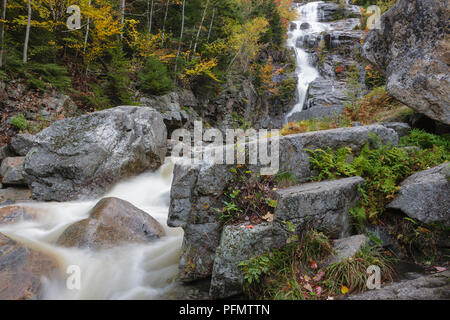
<point>308,16</point>
<point>133,271</point>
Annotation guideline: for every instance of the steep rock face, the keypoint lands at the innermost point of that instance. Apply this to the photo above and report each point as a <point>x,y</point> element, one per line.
<point>425,195</point>
<point>197,188</point>
<point>22,270</point>
<point>412,47</point>
<point>84,156</point>
<point>111,222</point>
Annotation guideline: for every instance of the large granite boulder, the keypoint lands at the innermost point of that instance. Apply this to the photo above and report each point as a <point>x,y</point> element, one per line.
<point>12,194</point>
<point>429,287</point>
<point>111,222</point>
<point>22,270</point>
<point>425,195</point>
<point>411,47</point>
<point>84,156</point>
<point>197,189</point>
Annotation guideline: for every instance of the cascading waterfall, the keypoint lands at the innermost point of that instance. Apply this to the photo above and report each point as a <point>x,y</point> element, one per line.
<point>133,271</point>
<point>306,73</point>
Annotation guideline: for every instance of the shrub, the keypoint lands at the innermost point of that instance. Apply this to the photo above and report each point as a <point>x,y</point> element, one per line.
<point>154,78</point>
<point>19,122</point>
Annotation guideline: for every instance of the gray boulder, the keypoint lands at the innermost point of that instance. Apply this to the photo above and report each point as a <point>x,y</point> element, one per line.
<point>425,195</point>
<point>237,244</point>
<point>410,47</point>
<point>402,129</point>
<point>111,222</point>
<point>85,156</point>
<point>197,188</point>
<point>22,143</point>
<point>347,247</point>
<point>429,287</point>
<point>6,152</point>
<point>11,171</point>
<point>321,205</point>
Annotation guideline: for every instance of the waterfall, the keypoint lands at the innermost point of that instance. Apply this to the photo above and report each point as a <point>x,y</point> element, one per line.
<point>308,15</point>
<point>132,271</point>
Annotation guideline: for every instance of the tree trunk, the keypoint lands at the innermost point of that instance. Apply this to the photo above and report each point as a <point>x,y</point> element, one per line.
<point>210,26</point>
<point>52,10</point>
<point>179,42</point>
<point>27,33</point>
<point>150,17</point>
<point>200,27</point>
<point>2,32</point>
<point>122,16</point>
<point>87,31</point>
<point>164,23</point>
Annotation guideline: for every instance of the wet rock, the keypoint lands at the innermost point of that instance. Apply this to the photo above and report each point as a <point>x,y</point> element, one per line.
<point>22,143</point>
<point>11,171</point>
<point>347,247</point>
<point>304,26</point>
<point>322,205</point>
<point>402,129</point>
<point>292,26</point>
<point>411,47</point>
<point>22,270</point>
<point>425,195</point>
<point>237,244</point>
<point>110,223</point>
<point>14,214</point>
<point>329,11</point>
<point>429,287</point>
<point>84,156</point>
<point>12,195</point>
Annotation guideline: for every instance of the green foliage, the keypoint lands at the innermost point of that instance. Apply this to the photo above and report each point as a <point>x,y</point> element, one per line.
<point>292,271</point>
<point>285,179</point>
<point>331,164</point>
<point>383,167</point>
<point>352,271</point>
<point>118,78</point>
<point>154,79</point>
<point>41,76</point>
<point>247,197</point>
<point>19,122</point>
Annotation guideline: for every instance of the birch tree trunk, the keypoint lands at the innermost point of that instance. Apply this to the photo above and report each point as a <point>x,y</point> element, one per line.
<point>150,17</point>
<point>2,32</point>
<point>86,35</point>
<point>210,25</point>
<point>201,24</point>
<point>122,16</point>
<point>179,42</point>
<point>164,23</point>
<point>27,34</point>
